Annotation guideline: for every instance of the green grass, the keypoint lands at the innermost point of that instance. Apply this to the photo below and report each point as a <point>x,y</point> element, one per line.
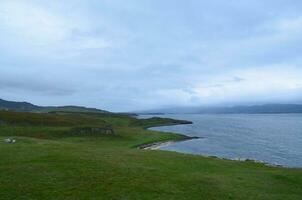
<point>49,161</point>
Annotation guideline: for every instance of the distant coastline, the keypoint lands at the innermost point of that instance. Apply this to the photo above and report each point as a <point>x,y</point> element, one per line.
<point>251,109</point>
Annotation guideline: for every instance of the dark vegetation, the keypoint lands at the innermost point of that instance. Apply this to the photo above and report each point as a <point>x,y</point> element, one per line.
<point>62,124</point>
<point>157,121</point>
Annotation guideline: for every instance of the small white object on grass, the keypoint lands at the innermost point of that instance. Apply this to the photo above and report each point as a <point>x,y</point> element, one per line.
<point>10,141</point>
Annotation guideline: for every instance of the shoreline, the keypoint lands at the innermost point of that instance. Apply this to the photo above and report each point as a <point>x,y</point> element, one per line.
<point>158,145</point>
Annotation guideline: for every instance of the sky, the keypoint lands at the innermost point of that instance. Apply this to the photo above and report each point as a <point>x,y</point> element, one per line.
<point>126,55</point>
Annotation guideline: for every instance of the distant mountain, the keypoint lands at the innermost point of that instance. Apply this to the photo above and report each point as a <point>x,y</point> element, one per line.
<point>255,109</point>
<point>28,107</point>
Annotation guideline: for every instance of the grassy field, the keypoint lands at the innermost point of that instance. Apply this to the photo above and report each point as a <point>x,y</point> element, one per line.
<point>72,156</point>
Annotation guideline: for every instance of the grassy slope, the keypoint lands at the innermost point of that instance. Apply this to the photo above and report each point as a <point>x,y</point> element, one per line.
<point>59,165</point>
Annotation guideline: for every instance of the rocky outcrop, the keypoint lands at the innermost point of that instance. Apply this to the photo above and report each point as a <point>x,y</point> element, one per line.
<point>92,131</point>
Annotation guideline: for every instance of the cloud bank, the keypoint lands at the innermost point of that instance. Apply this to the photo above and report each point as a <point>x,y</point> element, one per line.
<point>143,54</point>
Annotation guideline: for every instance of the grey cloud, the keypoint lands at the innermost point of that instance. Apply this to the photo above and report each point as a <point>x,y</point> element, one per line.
<point>236,79</point>
<point>35,85</point>
<point>117,55</point>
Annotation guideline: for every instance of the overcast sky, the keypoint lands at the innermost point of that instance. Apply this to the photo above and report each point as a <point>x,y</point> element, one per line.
<point>124,55</point>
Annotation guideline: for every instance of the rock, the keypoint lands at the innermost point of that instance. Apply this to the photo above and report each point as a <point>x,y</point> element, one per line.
<point>9,141</point>
<point>92,131</point>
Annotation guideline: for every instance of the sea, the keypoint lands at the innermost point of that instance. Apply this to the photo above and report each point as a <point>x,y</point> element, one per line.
<point>274,139</point>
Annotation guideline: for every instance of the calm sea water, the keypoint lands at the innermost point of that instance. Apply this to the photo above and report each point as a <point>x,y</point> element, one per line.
<point>270,138</point>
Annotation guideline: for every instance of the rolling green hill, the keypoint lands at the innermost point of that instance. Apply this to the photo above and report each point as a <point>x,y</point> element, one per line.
<point>68,155</point>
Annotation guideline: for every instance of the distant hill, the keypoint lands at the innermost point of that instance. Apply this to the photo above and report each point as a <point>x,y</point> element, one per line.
<point>255,109</point>
<point>28,107</point>
<point>17,106</point>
